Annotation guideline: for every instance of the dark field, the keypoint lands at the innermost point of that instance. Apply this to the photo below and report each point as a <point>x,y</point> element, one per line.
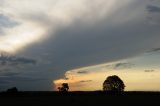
<point>79,98</point>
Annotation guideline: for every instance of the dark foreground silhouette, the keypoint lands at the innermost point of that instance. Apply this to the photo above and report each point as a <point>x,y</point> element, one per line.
<point>97,98</point>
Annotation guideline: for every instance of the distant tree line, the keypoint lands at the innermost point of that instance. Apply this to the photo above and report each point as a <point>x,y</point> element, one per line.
<point>12,90</point>
<point>111,84</point>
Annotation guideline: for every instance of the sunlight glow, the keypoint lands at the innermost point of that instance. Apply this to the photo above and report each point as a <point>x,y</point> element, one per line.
<point>134,76</point>
<point>19,38</point>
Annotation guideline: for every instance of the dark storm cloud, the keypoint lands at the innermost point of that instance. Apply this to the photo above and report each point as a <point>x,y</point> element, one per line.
<point>4,80</point>
<point>17,78</point>
<point>12,67</point>
<point>14,61</point>
<point>10,74</point>
<point>15,69</point>
<point>153,9</point>
<point>119,36</point>
<point>154,14</point>
<point>83,42</point>
<point>154,50</point>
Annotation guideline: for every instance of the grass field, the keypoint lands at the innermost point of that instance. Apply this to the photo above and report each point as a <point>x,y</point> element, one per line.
<point>79,98</point>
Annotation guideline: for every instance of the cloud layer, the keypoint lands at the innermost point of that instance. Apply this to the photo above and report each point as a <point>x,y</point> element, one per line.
<point>68,34</point>
<point>154,9</point>
<point>6,60</point>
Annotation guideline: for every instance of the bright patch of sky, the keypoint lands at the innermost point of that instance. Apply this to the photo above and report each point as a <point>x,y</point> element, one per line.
<point>138,73</point>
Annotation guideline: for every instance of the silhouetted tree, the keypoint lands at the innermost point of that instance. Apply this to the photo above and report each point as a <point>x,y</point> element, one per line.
<point>59,88</point>
<point>113,83</point>
<point>64,87</point>
<point>12,90</point>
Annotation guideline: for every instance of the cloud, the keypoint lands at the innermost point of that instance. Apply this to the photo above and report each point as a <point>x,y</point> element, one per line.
<point>117,35</point>
<point>9,80</point>
<point>77,34</point>
<point>82,72</point>
<point>14,71</point>
<point>9,74</point>
<point>14,61</point>
<point>153,9</point>
<point>13,68</point>
<point>3,81</point>
<point>82,44</point>
<point>6,22</point>
<point>123,65</point>
<point>149,70</point>
<point>37,19</point>
<point>154,13</point>
<point>83,81</point>
<point>154,50</point>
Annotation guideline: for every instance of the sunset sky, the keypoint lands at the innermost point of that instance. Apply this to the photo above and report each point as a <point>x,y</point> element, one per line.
<point>44,43</point>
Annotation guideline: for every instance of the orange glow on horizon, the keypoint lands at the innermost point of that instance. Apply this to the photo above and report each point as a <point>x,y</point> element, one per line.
<point>134,80</point>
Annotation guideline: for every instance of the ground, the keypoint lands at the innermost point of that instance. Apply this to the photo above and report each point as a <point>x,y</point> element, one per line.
<point>79,98</point>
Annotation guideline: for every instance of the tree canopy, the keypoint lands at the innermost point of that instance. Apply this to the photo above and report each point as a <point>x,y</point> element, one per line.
<point>113,83</point>
<point>64,88</point>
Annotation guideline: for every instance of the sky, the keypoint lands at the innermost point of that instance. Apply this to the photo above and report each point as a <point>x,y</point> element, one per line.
<point>44,43</point>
